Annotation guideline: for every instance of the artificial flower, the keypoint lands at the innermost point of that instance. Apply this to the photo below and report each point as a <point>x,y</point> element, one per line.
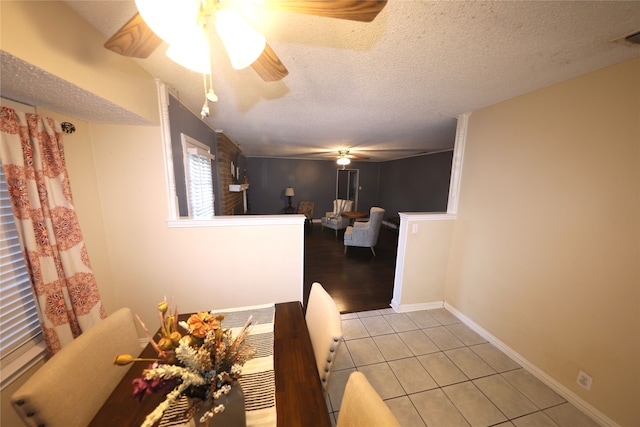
<point>197,358</point>
<point>201,323</point>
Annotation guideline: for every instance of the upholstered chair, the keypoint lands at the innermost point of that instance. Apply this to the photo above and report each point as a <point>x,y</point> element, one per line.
<point>334,219</point>
<point>365,233</point>
<point>70,388</point>
<point>362,406</point>
<point>306,207</point>
<point>325,330</point>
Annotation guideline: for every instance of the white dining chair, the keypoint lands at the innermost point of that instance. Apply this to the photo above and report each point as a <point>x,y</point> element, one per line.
<point>362,406</point>
<point>69,389</point>
<point>325,329</point>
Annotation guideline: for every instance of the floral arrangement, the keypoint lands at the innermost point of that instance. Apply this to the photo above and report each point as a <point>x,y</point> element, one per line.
<point>197,359</point>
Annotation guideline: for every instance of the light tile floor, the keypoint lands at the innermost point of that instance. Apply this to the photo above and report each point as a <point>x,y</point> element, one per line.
<point>432,370</point>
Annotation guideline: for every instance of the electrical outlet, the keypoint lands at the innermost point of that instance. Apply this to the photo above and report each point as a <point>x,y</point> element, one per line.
<point>584,380</point>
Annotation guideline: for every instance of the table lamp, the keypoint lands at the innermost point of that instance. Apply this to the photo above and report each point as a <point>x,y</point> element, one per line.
<point>289,193</point>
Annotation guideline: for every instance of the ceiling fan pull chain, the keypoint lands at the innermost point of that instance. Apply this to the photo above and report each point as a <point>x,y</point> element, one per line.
<point>205,108</point>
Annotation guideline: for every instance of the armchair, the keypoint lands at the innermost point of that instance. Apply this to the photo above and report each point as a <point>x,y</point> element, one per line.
<point>365,234</point>
<point>334,219</point>
<point>306,207</point>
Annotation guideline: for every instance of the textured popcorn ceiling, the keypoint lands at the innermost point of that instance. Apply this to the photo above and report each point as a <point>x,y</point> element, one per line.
<point>385,89</point>
<point>60,95</point>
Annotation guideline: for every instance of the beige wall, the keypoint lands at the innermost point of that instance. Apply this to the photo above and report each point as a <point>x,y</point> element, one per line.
<point>423,258</point>
<point>203,268</point>
<point>546,245</point>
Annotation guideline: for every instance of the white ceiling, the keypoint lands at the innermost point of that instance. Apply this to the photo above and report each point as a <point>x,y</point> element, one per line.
<point>392,87</point>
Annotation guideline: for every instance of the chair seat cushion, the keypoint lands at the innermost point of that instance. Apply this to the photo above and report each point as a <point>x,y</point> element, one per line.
<point>348,235</point>
<point>337,222</point>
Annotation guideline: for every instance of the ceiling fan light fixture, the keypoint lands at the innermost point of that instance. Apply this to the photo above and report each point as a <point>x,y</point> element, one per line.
<point>343,161</point>
<point>192,53</point>
<point>169,19</point>
<point>243,44</point>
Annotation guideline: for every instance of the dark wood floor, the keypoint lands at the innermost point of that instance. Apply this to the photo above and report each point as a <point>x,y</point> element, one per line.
<point>357,281</point>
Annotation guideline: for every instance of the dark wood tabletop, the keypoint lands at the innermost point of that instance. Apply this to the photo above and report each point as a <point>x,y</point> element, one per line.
<point>354,214</point>
<point>299,395</point>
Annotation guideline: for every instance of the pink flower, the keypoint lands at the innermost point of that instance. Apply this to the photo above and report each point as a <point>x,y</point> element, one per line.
<point>142,386</point>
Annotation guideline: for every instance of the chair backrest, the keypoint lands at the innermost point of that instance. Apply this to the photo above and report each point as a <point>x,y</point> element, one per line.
<point>306,207</point>
<point>342,205</point>
<point>362,406</point>
<point>325,330</point>
<point>69,389</point>
<point>375,221</point>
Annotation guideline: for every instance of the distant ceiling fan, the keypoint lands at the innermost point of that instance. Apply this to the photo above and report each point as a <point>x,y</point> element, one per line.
<point>137,39</point>
<point>344,158</point>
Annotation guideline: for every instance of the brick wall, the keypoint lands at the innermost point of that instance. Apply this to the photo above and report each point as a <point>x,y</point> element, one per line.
<point>231,203</point>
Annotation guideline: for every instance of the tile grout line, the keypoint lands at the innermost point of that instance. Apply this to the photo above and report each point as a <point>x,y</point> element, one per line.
<point>440,350</point>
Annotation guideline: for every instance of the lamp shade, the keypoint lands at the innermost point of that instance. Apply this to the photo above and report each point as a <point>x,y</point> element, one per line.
<point>243,44</point>
<point>289,192</point>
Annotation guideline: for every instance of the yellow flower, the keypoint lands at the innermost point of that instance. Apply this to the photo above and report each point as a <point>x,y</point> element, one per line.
<point>201,323</point>
<point>163,307</point>
<point>166,344</point>
<point>123,359</point>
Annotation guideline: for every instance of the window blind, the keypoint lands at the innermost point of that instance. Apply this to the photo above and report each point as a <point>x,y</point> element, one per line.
<point>19,322</point>
<point>200,183</point>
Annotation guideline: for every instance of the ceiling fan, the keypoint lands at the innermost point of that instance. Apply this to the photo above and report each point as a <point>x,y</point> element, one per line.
<point>344,158</point>
<point>348,155</point>
<point>136,39</point>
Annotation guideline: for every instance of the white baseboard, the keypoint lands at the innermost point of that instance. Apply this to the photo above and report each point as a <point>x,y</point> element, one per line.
<point>563,391</point>
<point>406,308</point>
<point>389,225</point>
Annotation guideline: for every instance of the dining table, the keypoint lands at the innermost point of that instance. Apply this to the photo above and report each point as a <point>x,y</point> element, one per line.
<point>299,396</point>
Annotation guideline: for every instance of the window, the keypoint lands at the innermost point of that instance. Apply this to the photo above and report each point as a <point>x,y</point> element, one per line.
<point>198,177</point>
<point>20,334</point>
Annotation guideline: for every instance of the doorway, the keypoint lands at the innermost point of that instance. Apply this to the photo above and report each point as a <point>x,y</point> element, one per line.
<point>347,186</point>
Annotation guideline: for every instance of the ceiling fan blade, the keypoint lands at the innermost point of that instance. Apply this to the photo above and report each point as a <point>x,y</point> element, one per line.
<point>354,10</point>
<point>134,39</point>
<point>347,154</point>
<point>268,66</point>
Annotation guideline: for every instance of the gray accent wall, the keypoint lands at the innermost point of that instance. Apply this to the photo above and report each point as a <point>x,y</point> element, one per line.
<point>184,121</point>
<point>417,184</point>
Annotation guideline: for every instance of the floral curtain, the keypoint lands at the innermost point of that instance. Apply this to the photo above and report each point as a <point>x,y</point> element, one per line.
<point>63,282</point>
